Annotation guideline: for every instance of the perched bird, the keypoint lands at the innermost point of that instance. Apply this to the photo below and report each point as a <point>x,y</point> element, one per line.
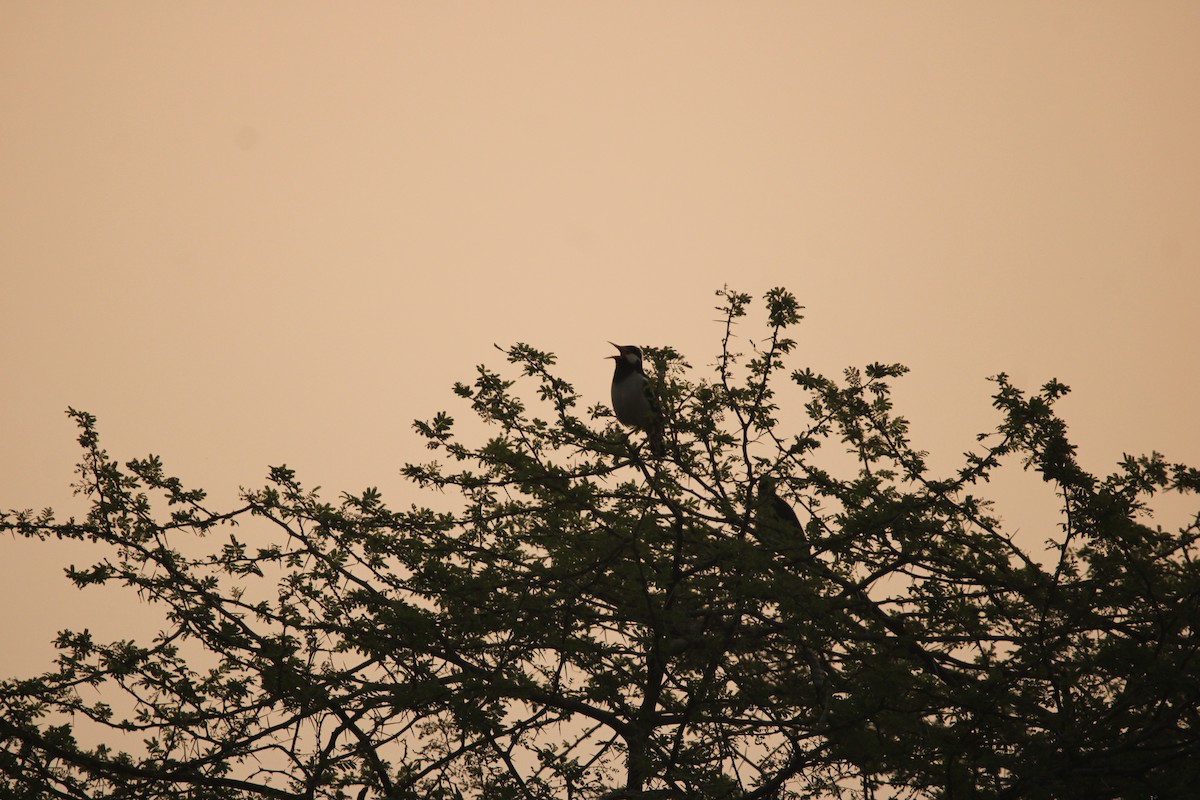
<point>632,399</point>
<point>777,524</point>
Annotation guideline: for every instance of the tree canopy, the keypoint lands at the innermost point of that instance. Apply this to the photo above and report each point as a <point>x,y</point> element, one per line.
<point>787,602</point>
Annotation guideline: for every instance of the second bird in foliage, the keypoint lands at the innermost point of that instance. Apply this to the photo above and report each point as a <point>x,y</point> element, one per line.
<point>777,525</point>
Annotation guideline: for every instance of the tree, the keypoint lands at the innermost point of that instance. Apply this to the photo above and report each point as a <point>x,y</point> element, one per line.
<point>747,616</point>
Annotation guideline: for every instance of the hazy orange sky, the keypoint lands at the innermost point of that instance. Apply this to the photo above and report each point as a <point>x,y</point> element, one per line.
<point>253,233</point>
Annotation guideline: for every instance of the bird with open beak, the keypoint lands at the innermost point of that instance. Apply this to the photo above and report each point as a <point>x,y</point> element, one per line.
<point>632,399</point>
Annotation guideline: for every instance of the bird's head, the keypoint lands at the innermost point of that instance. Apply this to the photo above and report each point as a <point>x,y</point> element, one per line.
<point>630,352</point>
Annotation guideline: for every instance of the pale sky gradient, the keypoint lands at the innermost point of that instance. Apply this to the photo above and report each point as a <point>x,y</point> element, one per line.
<point>246,234</point>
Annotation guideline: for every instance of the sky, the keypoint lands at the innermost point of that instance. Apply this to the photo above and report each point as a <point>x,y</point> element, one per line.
<point>252,233</point>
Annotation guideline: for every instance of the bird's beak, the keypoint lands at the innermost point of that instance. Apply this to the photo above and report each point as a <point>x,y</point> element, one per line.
<point>618,355</point>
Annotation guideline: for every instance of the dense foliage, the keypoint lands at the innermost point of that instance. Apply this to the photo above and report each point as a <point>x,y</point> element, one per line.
<point>784,604</point>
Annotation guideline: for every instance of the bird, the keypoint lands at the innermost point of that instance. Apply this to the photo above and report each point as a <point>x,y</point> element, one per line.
<point>778,524</point>
<point>633,401</point>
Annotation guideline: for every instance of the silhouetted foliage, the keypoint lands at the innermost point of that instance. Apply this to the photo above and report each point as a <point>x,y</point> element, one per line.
<point>748,616</point>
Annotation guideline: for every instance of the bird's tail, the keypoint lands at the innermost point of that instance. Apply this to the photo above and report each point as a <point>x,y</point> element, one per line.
<point>655,437</point>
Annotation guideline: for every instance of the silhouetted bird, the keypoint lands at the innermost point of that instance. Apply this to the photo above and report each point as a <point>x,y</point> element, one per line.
<point>777,525</point>
<point>633,401</point>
